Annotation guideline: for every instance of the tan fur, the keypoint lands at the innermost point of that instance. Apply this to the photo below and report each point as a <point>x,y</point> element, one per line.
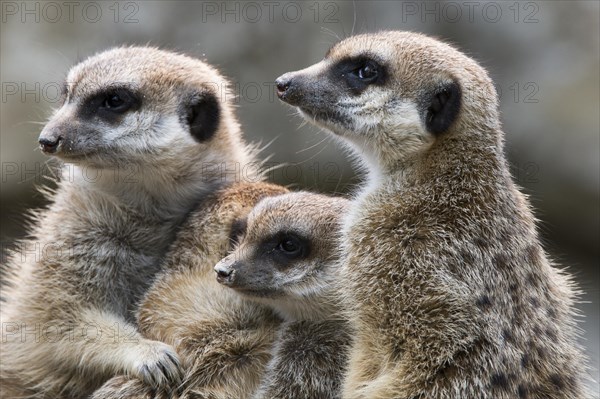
<point>448,286</point>
<point>112,232</point>
<point>224,341</point>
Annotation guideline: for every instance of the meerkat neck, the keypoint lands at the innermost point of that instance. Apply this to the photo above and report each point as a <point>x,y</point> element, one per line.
<point>310,309</point>
<point>149,190</point>
<point>450,156</point>
<point>453,158</point>
<point>319,302</point>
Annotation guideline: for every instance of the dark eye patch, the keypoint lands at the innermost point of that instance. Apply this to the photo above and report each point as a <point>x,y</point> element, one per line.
<point>357,73</point>
<point>285,247</point>
<point>110,103</point>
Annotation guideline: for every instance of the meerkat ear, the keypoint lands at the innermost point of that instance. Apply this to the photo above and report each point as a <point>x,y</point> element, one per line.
<point>442,106</point>
<point>202,116</point>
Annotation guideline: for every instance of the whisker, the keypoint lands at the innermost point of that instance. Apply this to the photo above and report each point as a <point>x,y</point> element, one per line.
<point>331,33</point>
<point>353,22</point>
<point>312,146</point>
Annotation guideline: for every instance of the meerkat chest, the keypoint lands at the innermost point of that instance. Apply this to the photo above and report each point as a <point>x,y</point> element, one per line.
<point>113,250</point>
<point>377,231</point>
<point>358,232</point>
<point>370,209</point>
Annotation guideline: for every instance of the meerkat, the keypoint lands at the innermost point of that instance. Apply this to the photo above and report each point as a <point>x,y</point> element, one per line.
<point>448,288</point>
<point>68,316</point>
<point>287,260</point>
<point>223,340</point>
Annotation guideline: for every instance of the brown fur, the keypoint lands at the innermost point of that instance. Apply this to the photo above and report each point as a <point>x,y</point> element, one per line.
<point>223,340</point>
<point>111,233</point>
<point>449,288</point>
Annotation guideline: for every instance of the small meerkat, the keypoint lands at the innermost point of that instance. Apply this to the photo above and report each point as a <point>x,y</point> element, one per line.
<point>287,260</point>
<point>450,292</point>
<point>224,341</point>
<point>143,132</point>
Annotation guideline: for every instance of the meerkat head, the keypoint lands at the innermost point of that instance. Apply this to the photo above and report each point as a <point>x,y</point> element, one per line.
<point>141,104</point>
<point>392,94</point>
<point>286,253</point>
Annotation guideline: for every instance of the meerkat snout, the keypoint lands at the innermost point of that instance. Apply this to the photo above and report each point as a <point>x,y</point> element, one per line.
<point>291,88</point>
<point>225,272</point>
<point>49,142</point>
<point>282,83</point>
<point>294,88</point>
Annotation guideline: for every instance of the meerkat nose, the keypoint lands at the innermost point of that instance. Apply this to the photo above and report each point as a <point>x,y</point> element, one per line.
<point>224,274</point>
<point>49,145</point>
<point>283,83</point>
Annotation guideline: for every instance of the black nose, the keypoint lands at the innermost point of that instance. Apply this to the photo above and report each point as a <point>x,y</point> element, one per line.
<point>221,273</point>
<point>224,275</point>
<point>283,83</point>
<point>49,145</point>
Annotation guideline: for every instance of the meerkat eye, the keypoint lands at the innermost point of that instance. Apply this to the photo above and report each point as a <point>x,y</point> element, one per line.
<point>359,73</point>
<point>110,104</point>
<point>113,101</point>
<point>118,101</point>
<point>368,72</point>
<point>291,246</point>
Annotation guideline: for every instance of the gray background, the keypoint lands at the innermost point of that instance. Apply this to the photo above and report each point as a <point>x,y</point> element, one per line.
<point>544,57</point>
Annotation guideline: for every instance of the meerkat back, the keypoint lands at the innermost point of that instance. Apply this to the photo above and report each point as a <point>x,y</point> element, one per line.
<point>152,128</point>
<point>448,287</point>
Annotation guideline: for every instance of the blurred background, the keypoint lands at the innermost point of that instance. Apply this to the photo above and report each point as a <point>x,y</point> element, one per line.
<point>543,56</point>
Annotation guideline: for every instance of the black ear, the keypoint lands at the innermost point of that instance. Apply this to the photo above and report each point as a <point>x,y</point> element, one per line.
<point>442,106</point>
<point>203,116</point>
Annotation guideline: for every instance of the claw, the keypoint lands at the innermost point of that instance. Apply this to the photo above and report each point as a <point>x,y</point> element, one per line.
<point>159,366</point>
<point>174,360</point>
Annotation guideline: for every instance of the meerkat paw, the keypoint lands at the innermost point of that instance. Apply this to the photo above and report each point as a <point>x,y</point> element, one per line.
<point>157,364</point>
